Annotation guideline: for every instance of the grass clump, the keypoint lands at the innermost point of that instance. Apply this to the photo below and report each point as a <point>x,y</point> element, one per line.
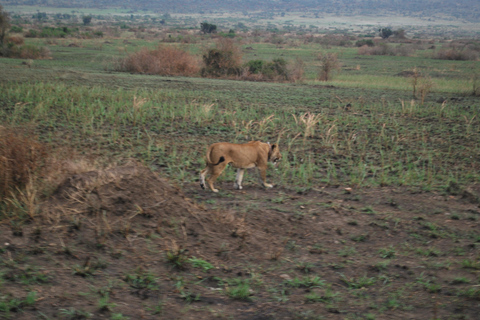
<point>20,156</point>
<point>240,290</point>
<point>141,279</point>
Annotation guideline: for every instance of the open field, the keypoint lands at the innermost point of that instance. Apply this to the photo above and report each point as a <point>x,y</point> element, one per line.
<point>374,213</point>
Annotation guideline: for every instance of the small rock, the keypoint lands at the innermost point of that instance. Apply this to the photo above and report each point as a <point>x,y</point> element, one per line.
<point>285,276</point>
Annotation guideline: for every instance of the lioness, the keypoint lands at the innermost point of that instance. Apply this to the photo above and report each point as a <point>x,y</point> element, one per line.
<point>241,156</point>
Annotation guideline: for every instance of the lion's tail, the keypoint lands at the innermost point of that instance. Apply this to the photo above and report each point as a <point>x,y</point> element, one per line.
<point>222,158</point>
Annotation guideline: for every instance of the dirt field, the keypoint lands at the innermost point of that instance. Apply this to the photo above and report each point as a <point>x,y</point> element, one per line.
<point>124,243</point>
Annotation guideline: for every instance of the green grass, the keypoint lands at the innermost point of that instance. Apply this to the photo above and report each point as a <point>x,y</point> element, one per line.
<point>389,152</point>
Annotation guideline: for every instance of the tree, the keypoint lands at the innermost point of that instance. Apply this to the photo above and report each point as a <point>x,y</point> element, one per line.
<point>385,32</point>
<point>206,27</point>
<point>4,26</point>
<point>329,64</point>
<point>87,20</point>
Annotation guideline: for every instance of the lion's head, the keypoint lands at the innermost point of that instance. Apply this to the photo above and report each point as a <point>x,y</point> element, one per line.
<point>274,154</point>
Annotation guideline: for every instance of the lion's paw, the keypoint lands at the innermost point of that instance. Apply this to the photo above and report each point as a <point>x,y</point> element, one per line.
<point>268,185</point>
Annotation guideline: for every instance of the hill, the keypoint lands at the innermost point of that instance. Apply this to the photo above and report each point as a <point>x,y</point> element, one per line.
<point>468,9</point>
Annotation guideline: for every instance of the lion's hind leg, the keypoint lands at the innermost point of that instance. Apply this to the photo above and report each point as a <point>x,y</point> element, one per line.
<point>215,172</point>
<point>203,174</point>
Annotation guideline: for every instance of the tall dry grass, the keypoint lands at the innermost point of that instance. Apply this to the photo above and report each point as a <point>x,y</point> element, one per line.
<point>164,60</point>
<point>21,156</point>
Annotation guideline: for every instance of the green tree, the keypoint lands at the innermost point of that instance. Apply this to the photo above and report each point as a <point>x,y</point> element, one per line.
<point>87,20</point>
<point>385,32</point>
<point>206,27</point>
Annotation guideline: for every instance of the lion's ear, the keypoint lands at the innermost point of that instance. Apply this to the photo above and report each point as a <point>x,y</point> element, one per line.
<point>273,146</point>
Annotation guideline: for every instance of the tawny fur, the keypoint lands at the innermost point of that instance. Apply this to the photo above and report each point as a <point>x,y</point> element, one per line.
<point>241,156</point>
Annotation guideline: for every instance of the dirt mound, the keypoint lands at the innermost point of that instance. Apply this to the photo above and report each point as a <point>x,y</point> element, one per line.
<point>133,201</point>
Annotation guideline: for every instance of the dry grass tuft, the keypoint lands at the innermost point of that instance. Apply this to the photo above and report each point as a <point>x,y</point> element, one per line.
<point>21,157</point>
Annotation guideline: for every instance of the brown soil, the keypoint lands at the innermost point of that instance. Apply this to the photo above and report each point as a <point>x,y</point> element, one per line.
<point>119,233</point>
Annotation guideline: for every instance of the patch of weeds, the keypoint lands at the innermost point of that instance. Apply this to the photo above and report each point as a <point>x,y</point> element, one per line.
<point>199,263</point>
<point>10,304</point>
<point>308,315</point>
<point>141,279</point>
<point>472,292</point>
<point>118,316</point>
<point>387,253</point>
<point>241,291</point>
<point>281,199</point>
<point>157,309</point>
<point>382,225</point>
<point>429,285</point>
<point>382,265</point>
<point>428,252</point>
<point>83,271</point>
<point>460,280</point>
<point>327,296</point>
<point>305,267</point>
<point>305,282</point>
<point>279,295</point>
<point>455,216</point>
<point>291,245</point>
<point>347,251</point>
<point>318,248</point>
<point>470,264</point>
<point>433,287</point>
<point>435,231</point>
<point>28,275</point>
<point>360,238</point>
<point>105,305</point>
<point>458,251</point>
<point>72,313</point>
<point>177,257</point>
<point>189,297</point>
<point>337,266</point>
<point>357,283</point>
<point>368,210</point>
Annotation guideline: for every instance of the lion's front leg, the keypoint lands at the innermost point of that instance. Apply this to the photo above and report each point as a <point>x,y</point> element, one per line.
<point>263,177</point>
<point>239,178</point>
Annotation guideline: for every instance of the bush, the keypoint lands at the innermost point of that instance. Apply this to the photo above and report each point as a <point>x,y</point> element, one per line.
<point>365,42</point>
<point>20,157</point>
<point>456,54</point>
<point>383,49</point>
<point>30,51</point>
<point>27,51</point>
<point>273,70</point>
<point>16,29</point>
<point>164,60</point>
<point>16,40</point>
<point>224,60</point>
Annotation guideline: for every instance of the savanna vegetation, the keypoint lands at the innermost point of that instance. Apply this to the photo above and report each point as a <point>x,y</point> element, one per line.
<point>375,209</point>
